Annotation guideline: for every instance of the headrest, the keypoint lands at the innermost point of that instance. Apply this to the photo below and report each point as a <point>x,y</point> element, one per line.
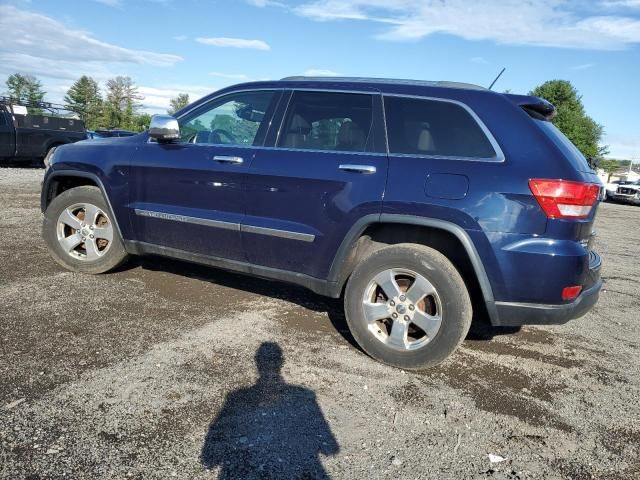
<point>299,125</point>
<point>425,141</point>
<point>351,136</point>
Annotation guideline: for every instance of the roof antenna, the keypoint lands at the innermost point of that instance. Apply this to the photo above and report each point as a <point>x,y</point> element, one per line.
<point>499,75</point>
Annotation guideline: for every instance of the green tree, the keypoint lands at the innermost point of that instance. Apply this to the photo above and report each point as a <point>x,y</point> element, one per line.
<point>609,166</point>
<point>84,98</point>
<point>26,88</point>
<point>141,122</point>
<point>179,102</point>
<point>121,103</point>
<point>572,120</point>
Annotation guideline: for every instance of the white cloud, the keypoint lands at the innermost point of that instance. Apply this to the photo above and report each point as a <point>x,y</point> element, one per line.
<point>621,3</point>
<point>550,23</point>
<point>46,67</point>
<point>318,72</point>
<point>229,76</point>
<point>480,60</point>
<point>180,38</point>
<point>234,42</point>
<point>156,99</point>
<point>584,66</point>
<point>45,40</point>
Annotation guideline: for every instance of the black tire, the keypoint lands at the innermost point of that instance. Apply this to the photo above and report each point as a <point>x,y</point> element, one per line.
<point>451,289</point>
<point>112,257</point>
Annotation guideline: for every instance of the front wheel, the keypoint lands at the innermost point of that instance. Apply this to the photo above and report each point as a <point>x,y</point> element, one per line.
<point>407,306</point>
<point>80,232</point>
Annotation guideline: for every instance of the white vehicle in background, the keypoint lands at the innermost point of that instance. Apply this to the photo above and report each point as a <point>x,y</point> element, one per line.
<point>612,187</point>
<point>627,192</point>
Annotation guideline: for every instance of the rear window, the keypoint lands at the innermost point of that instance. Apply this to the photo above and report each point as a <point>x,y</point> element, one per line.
<point>434,128</point>
<point>569,150</point>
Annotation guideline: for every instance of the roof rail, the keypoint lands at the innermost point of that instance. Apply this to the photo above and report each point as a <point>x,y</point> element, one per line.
<point>423,83</point>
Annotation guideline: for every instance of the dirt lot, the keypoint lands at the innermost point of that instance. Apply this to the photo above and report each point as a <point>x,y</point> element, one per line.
<point>167,370</point>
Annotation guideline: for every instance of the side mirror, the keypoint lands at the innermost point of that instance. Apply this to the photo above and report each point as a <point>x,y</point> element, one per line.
<point>164,128</point>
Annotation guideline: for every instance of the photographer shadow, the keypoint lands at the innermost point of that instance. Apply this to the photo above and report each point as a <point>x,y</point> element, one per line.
<point>269,430</point>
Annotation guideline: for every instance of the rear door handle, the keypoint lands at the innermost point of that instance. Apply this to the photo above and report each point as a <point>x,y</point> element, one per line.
<point>228,159</point>
<point>358,168</point>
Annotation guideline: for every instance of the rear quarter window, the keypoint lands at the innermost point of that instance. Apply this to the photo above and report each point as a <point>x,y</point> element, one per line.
<point>568,149</point>
<point>434,128</point>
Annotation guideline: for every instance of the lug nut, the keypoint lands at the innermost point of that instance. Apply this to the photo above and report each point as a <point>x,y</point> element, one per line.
<point>406,318</point>
<point>392,303</point>
<point>83,225</point>
<point>411,307</point>
<point>91,236</point>
<point>91,227</point>
<point>394,315</point>
<point>402,298</point>
<point>83,239</point>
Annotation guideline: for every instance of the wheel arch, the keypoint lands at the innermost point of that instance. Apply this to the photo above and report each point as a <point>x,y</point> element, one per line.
<point>357,244</point>
<point>59,181</point>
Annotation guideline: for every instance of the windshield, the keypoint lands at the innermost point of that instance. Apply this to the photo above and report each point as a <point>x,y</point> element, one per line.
<point>564,144</point>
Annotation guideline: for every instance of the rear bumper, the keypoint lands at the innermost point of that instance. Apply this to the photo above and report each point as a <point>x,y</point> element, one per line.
<point>511,314</point>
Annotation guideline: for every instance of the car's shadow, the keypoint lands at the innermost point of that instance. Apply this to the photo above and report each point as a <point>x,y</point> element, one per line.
<point>254,285</point>
<point>480,327</point>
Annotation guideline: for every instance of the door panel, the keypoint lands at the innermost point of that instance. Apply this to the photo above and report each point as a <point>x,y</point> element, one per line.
<point>190,195</point>
<point>184,199</point>
<point>300,202</point>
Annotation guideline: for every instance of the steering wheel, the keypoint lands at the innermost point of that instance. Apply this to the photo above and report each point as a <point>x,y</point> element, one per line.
<point>219,131</point>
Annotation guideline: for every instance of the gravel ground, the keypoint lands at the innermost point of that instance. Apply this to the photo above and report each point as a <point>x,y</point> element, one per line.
<point>163,369</point>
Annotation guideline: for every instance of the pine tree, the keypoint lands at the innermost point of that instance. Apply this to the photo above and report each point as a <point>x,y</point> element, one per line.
<point>26,88</point>
<point>84,99</point>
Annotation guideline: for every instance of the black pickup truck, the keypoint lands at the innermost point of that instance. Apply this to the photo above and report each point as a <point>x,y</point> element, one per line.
<point>28,138</point>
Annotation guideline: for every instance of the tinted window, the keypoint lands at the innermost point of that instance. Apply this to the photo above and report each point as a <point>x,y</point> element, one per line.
<point>569,150</point>
<point>429,127</point>
<point>328,121</point>
<point>3,119</point>
<point>232,120</point>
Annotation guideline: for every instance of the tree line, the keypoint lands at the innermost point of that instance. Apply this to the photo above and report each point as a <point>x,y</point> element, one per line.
<point>119,107</point>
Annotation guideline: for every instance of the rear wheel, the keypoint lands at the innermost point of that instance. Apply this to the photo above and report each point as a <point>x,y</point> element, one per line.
<point>407,306</point>
<point>80,232</point>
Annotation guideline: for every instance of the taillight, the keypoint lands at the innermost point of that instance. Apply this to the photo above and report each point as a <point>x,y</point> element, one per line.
<point>565,199</point>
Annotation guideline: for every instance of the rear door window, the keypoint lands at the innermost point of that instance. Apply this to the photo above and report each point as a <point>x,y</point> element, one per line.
<point>329,121</point>
<point>434,128</point>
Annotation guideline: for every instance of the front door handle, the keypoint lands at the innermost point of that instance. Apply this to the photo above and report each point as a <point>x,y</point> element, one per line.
<point>358,168</point>
<point>228,159</point>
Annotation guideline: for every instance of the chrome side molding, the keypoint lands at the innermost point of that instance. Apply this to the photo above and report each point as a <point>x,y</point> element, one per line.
<point>272,232</point>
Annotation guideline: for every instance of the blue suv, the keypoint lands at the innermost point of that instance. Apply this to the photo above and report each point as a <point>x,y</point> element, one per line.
<point>421,203</point>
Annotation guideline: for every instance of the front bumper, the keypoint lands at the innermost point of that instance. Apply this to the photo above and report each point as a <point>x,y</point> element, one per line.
<point>512,314</point>
<point>621,197</point>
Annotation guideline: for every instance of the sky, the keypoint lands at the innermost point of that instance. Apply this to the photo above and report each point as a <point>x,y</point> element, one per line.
<point>198,46</point>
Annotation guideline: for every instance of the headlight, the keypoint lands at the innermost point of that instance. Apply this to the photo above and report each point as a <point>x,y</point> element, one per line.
<point>49,157</point>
